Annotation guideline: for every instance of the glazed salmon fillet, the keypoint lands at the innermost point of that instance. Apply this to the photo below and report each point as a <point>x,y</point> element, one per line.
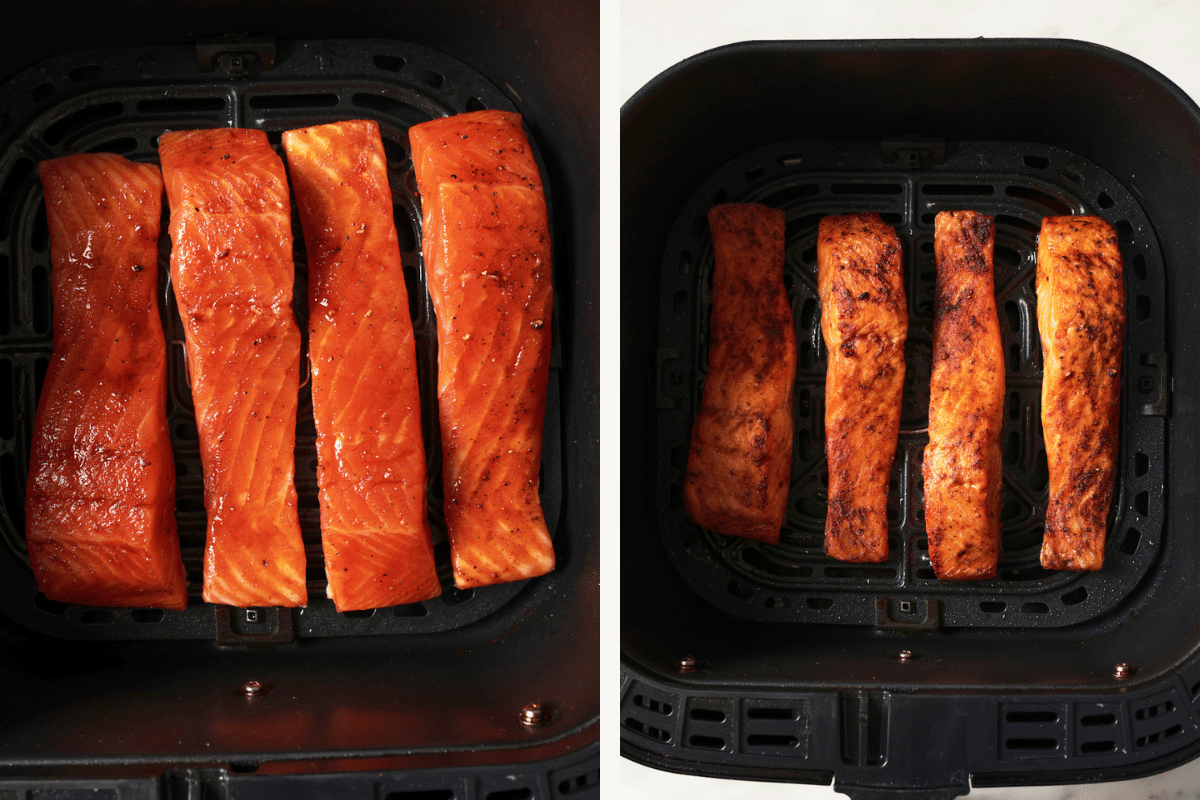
<point>366,401</point>
<point>962,468</point>
<point>100,498</point>
<point>864,322</point>
<point>1081,319</point>
<point>486,247</point>
<point>740,460</point>
<point>232,273</point>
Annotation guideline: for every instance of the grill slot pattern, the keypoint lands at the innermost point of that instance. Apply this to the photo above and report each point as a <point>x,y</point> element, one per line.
<point>1018,184</point>
<point>123,106</point>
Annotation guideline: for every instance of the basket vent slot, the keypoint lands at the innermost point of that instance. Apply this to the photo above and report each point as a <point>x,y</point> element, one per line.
<point>579,783</point>
<point>1159,718</point>
<point>1032,730</point>
<point>652,704</point>
<point>421,794</point>
<point>647,730</point>
<point>707,715</point>
<point>776,728</point>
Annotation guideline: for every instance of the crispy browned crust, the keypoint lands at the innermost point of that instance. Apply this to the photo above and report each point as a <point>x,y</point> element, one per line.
<point>739,467</point>
<point>1081,318</point>
<point>864,320</point>
<point>962,466</point>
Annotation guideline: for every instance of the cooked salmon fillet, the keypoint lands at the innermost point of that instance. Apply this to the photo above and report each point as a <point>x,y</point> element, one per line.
<point>366,401</point>
<point>232,272</point>
<point>486,246</point>
<point>864,322</point>
<point>962,467</point>
<point>740,461</point>
<point>100,498</point>
<point>1081,319</point>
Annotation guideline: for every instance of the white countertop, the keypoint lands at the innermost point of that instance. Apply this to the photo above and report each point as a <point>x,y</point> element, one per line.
<point>654,34</point>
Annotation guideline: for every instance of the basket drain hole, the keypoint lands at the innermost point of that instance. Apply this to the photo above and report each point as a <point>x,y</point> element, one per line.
<point>389,63</point>
<point>1129,544</point>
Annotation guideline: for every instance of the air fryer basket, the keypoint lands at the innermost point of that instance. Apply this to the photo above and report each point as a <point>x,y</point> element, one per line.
<point>437,687</point>
<point>776,662</point>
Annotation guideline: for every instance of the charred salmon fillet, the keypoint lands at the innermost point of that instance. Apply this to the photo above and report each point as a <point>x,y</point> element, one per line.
<point>486,248</point>
<point>864,321</point>
<point>366,401</point>
<point>1081,319</point>
<point>739,464</point>
<point>962,467</point>
<point>232,273</point>
<point>100,498</point>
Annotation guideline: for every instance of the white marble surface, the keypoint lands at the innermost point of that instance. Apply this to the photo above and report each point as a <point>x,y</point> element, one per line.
<point>654,34</point>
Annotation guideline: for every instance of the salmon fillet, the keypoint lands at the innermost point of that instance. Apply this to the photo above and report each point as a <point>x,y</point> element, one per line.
<point>740,460</point>
<point>1081,319</point>
<point>962,467</point>
<point>100,498</point>
<point>864,322</point>
<point>366,401</point>
<point>486,246</point>
<point>232,272</point>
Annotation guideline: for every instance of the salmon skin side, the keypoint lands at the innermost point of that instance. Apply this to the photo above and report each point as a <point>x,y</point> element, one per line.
<point>232,273</point>
<point>740,459</point>
<point>864,322</point>
<point>486,247</point>
<point>1081,319</point>
<point>100,498</point>
<point>962,467</point>
<point>366,401</point>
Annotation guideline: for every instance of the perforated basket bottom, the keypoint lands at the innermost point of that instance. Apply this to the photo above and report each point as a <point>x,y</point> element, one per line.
<point>909,183</point>
<point>121,101</point>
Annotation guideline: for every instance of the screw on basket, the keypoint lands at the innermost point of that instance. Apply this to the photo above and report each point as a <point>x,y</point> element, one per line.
<point>534,714</point>
<point>1123,670</point>
<point>906,655</point>
<point>687,664</point>
<point>254,689</point>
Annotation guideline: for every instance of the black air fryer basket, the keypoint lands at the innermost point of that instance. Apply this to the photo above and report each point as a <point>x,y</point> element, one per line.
<point>745,660</point>
<point>478,694</point>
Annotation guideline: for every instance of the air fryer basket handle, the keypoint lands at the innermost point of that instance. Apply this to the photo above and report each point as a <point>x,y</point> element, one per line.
<point>876,793</point>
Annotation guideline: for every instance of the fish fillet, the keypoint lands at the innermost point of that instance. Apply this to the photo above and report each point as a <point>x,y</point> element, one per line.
<point>231,268</point>
<point>864,322</point>
<point>100,498</point>
<point>366,401</point>
<point>740,460</point>
<point>962,467</point>
<point>1081,319</point>
<point>486,245</point>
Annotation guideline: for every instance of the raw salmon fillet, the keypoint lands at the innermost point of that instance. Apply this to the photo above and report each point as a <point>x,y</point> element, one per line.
<point>962,467</point>
<point>100,499</point>
<point>1081,319</point>
<point>231,268</point>
<point>864,322</point>
<point>366,401</point>
<point>740,461</point>
<point>486,246</point>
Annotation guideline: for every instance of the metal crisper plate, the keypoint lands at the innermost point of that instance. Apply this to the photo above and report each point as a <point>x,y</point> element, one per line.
<point>908,182</point>
<point>121,101</point>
